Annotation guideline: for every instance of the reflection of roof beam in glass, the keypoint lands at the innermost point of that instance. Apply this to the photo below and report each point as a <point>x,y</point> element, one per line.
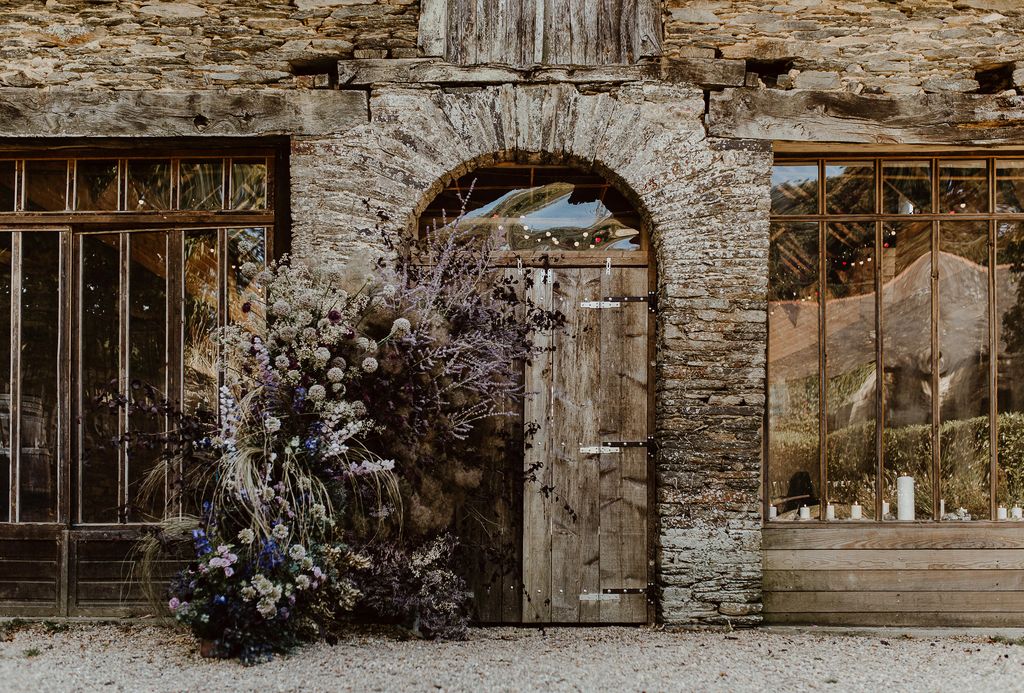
<point>566,210</point>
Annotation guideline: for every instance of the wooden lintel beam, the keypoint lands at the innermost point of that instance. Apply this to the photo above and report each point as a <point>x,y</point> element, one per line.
<point>820,116</point>
<point>82,113</point>
<point>358,73</point>
<point>705,72</point>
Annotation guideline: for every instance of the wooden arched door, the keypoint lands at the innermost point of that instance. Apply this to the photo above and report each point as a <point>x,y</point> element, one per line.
<point>578,525</point>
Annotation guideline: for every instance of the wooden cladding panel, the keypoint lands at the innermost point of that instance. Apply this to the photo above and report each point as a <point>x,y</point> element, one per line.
<point>906,575</point>
<point>540,32</point>
<point>29,572</point>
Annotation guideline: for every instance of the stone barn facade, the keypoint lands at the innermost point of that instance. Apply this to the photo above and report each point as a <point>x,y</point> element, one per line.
<point>829,197</point>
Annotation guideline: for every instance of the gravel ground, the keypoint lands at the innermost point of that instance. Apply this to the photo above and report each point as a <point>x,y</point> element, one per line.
<point>91,657</point>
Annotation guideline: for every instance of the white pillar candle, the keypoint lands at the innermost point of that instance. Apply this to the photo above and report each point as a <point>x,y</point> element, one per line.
<point>885,508</point>
<point>855,512</point>
<point>773,512</point>
<point>805,512</point>
<point>942,507</point>
<point>1016,513</point>
<point>830,512</point>
<point>1001,512</point>
<point>905,498</point>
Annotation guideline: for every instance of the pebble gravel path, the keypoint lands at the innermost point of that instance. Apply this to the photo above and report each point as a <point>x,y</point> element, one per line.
<point>120,657</point>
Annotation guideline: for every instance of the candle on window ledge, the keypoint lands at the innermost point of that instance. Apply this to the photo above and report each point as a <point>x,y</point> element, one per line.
<point>830,512</point>
<point>856,512</point>
<point>942,508</point>
<point>885,509</point>
<point>805,512</point>
<point>905,498</point>
<point>1001,512</point>
<point>773,512</point>
<point>1016,513</point>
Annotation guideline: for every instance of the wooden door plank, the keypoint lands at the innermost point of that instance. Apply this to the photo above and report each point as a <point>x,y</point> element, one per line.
<point>892,536</point>
<point>890,602</point>
<point>892,580</point>
<point>916,559</point>
<point>537,470</point>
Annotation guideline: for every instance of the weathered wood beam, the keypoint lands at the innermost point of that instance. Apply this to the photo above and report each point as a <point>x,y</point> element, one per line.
<point>427,71</point>
<point>80,113</point>
<point>706,72</point>
<point>811,116</point>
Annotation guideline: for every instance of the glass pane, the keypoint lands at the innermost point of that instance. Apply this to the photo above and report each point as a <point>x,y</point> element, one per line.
<point>793,454</point>
<point>149,185</point>
<point>7,186</point>
<point>1010,363</point>
<point>40,320</point>
<point>906,187</point>
<point>202,184</point>
<point>851,378</point>
<point>963,187</point>
<point>200,317</point>
<point>963,367</point>
<point>248,184</point>
<point>850,187</point>
<point>96,185</point>
<point>46,185</point>
<point>1010,186</point>
<point>906,344</point>
<point>147,365</point>
<point>538,208</point>
<point>5,376</point>
<point>99,323</point>
<point>795,189</point>
<point>245,246</point>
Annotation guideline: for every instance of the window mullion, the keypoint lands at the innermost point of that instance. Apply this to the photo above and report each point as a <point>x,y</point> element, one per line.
<point>15,410</point>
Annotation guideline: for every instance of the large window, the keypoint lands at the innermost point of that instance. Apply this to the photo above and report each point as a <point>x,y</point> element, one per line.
<point>114,273</point>
<point>896,339</point>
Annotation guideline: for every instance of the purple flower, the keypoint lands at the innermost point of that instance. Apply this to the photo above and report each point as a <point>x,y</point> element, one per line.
<point>174,604</point>
<point>229,571</point>
<point>334,315</point>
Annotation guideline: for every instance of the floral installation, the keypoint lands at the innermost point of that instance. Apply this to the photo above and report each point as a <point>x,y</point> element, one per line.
<point>352,427</point>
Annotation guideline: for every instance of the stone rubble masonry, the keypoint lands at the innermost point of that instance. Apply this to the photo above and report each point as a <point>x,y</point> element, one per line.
<point>707,201</point>
<point>876,46</point>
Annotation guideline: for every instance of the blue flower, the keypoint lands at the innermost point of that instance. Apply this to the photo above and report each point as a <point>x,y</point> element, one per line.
<point>220,599</point>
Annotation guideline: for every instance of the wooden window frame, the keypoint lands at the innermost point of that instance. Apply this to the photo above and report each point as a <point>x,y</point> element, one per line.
<point>72,226</point>
<point>878,218</point>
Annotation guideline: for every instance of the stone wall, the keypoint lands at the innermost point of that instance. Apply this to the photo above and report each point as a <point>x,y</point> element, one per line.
<point>871,46</point>
<point>707,201</point>
<point>123,44</point>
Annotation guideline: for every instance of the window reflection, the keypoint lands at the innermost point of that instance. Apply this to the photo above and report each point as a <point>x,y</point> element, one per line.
<point>96,185</point>
<point>850,364</point>
<point>46,185</point>
<point>963,187</point>
<point>964,366</point>
<point>795,189</point>
<point>248,184</point>
<point>907,376</point>
<point>794,469</point>
<point>1010,186</point>
<point>850,187</point>
<point>200,318</point>
<point>1010,363</point>
<point>906,187</point>
<point>538,208</point>
<point>202,184</point>
<point>149,185</point>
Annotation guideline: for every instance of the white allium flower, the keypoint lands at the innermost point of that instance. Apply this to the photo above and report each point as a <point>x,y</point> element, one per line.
<point>249,269</point>
<point>262,584</point>
<point>389,291</point>
<point>322,354</point>
<point>246,536</point>
<point>265,277</point>
<point>359,410</point>
<point>297,552</point>
<point>335,375</point>
<point>317,393</point>
<point>401,327</point>
<point>363,343</point>
<point>287,334</point>
<point>273,424</point>
<point>266,607</point>
<point>307,563</point>
<point>248,593</point>
<point>338,362</point>
<point>338,388</point>
<point>370,364</point>
<point>280,531</point>
<point>281,308</point>
<point>302,582</point>
<point>318,511</point>
<point>267,493</point>
<point>293,376</point>
<point>281,362</point>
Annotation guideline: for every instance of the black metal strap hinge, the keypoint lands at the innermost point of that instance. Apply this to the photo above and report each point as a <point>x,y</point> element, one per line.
<point>651,299</point>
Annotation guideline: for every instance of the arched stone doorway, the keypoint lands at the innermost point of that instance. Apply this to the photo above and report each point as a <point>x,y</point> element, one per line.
<point>706,202</point>
<point>563,534</point>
